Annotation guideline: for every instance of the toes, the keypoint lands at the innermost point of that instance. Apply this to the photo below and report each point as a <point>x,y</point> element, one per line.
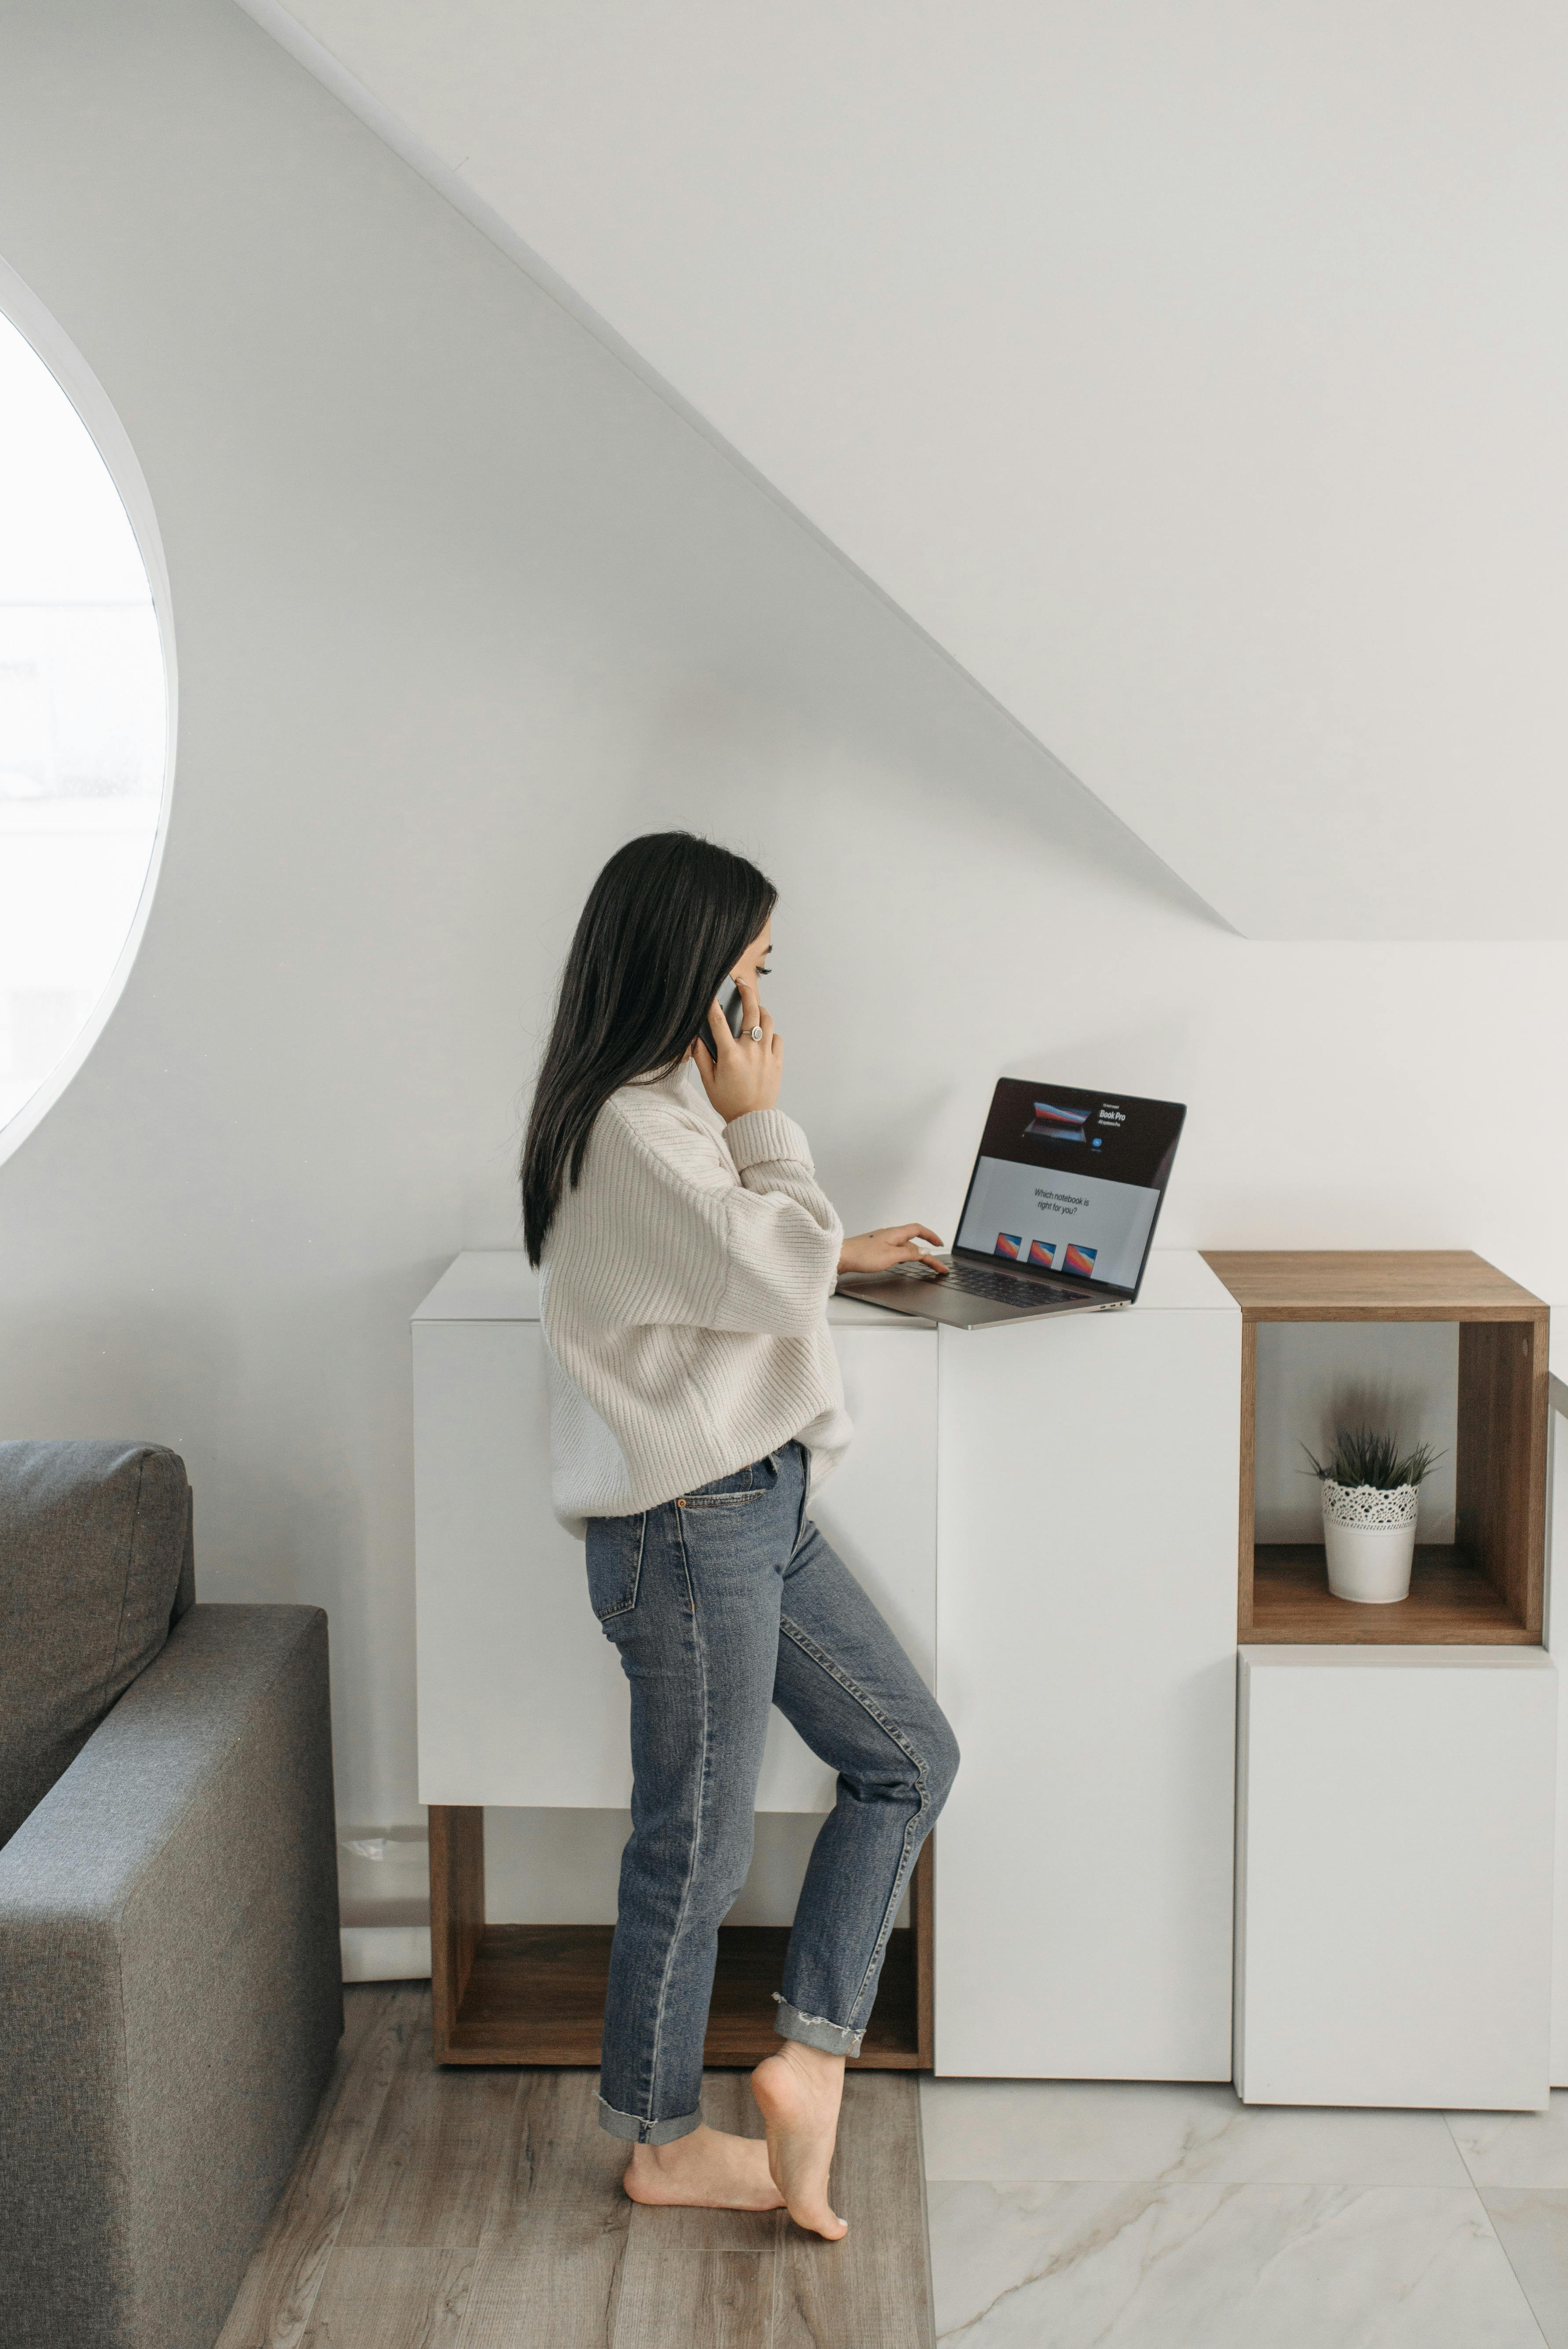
<point>824,2222</point>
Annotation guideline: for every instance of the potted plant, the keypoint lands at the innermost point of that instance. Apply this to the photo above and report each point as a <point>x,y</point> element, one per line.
<point>1370,1495</point>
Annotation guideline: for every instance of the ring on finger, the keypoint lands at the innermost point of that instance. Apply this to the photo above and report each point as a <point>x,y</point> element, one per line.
<point>757,1035</point>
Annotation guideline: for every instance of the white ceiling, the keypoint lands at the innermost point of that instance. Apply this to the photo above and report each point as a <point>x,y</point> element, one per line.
<point>1193,372</point>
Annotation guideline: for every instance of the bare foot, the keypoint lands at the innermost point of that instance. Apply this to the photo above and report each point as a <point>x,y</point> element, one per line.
<point>707,2168</point>
<point>798,2092</point>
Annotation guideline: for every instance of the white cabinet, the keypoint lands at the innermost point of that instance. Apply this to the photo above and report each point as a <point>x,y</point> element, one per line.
<point>521,1699</point>
<point>1557,1643</point>
<point>1047,1516</point>
<point>1395,1875</point>
<point>1086,1643</point>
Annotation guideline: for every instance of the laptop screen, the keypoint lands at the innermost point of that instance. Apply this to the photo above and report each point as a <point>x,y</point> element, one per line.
<point>1070,1183</point>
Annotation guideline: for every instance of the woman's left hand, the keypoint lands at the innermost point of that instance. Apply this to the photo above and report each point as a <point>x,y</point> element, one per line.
<point>893,1245</point>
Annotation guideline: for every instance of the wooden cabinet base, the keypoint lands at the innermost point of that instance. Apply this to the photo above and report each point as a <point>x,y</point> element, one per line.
<point>535,1993</point>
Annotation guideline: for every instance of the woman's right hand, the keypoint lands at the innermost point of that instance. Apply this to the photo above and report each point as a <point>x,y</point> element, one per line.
<point>738,1076</point>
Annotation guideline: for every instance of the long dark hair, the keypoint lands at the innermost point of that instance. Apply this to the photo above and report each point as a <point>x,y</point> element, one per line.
<point>664,921</point>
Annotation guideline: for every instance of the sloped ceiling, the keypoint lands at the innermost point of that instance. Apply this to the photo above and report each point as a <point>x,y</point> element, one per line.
<point>1193,372</point>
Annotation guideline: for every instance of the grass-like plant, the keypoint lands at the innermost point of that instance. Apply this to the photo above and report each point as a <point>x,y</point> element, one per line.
<point>1364,1455</point>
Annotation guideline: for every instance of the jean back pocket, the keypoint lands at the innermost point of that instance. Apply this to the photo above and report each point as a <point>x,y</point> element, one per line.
<point>614,1564</point>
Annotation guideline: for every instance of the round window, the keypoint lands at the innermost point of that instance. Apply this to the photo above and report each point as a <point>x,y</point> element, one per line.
<point>85,710</point>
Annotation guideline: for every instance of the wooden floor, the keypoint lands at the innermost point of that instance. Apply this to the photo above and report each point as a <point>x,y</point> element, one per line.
<point>483,2209</point>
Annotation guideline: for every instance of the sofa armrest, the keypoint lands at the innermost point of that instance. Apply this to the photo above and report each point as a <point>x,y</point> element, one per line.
<point>171,1987</point>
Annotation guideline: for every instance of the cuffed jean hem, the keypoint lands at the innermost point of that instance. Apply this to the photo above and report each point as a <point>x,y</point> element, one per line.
<point>815,2030</point>
<point>638,2132</point>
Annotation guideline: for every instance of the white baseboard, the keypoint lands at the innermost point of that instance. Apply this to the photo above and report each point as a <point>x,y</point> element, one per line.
<point>386,1952</point>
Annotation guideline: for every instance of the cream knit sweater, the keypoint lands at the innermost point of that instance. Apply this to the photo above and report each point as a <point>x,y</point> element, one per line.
<point>684,1292</point>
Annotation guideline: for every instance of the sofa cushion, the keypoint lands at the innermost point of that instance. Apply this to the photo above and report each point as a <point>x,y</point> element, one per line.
<point>95,1541</point>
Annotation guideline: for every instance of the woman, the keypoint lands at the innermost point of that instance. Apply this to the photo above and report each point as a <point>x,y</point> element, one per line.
<point>687,1258</point>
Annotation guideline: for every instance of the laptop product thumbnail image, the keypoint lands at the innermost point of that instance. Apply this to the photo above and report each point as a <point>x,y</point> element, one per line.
<point>1050,1117</point>
<point>1059,1215</point>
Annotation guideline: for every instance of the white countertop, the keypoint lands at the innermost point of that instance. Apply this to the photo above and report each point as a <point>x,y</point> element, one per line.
<point>498,1285</point>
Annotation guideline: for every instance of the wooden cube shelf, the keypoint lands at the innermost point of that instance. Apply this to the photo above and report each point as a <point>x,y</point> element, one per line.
<point>535,1993</point>
<point>1486,1588</point>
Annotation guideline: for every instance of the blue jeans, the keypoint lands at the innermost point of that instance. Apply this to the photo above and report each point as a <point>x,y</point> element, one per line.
<point>722,1604</point>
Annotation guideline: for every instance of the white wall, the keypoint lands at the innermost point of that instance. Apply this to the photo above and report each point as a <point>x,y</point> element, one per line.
<point>459,604</point>
<point>1316,1377</point>
<point>1194,372</point>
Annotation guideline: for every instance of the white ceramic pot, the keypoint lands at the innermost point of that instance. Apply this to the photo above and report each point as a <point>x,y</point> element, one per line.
<point>1370,1539</point>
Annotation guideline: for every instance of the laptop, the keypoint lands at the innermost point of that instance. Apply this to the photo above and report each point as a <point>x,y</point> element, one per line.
<point>1059,1215</point>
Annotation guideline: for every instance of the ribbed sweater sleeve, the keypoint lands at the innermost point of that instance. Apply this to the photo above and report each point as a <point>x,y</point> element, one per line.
<point>680,1240</point>
<point>685,1281</point>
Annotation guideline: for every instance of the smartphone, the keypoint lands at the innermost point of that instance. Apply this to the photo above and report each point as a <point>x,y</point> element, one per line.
<point>732,1009</point>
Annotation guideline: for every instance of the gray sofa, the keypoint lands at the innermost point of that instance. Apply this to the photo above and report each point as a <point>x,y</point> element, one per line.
<point>171,1987</point>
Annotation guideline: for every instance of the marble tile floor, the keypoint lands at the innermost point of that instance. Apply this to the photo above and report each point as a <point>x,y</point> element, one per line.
<point>1116,2215</point>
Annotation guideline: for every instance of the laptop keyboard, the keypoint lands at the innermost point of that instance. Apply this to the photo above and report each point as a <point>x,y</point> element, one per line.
<point>1004,1287</point>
